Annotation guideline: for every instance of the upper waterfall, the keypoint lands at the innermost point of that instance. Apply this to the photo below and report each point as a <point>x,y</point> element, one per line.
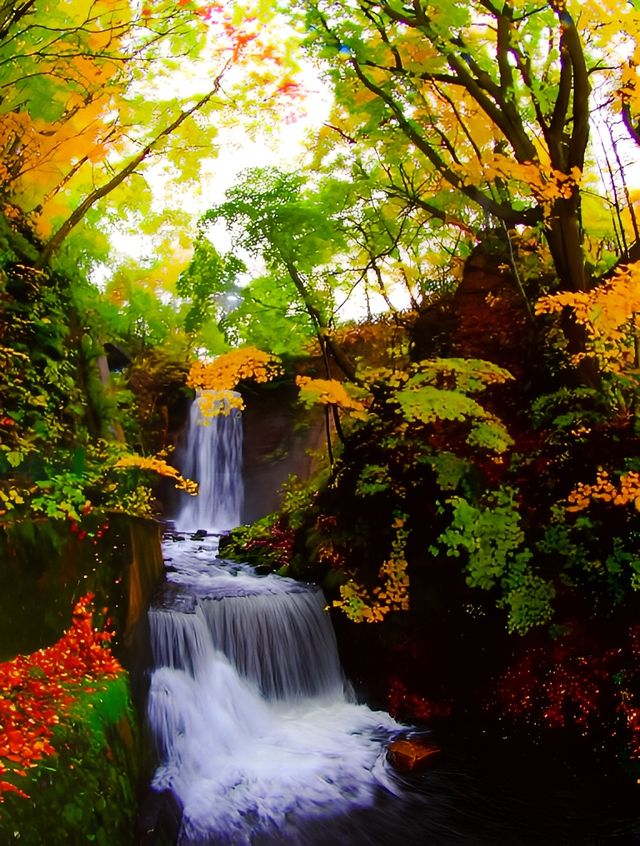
<point>211,454</point>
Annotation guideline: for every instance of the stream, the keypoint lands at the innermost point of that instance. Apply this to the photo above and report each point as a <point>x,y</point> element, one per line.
<point>259,736</point>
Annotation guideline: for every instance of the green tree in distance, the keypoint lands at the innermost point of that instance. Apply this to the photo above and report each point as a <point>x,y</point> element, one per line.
<point>297,236</point>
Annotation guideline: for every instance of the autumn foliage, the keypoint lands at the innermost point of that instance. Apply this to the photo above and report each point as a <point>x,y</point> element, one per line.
<point>572,683</point>
<point>222,375</point>
<point>330,392</point>
<point>627,491</point>
<point>609,313</point>
<point>157,464</point>
<point>37,691</point>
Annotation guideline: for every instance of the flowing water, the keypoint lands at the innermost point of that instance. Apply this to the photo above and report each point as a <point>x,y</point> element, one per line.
<point>258,731</point>
<point>259,735</point>
<point>211,454</point>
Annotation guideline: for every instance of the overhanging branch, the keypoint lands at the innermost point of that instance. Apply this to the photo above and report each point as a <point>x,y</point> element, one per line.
<point>91,199</point>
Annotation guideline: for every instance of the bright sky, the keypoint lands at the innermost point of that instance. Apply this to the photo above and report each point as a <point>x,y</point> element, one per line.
<point>236,151</point>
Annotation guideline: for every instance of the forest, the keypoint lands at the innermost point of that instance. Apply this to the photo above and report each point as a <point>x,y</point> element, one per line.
<point>411,228</point>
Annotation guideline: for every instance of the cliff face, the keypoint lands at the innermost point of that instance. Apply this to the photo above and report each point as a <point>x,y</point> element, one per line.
<point>279,440</point>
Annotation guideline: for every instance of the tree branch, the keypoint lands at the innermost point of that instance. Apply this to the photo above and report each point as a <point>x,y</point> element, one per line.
<point>581,92</point>
<point>323,331</point>
<point>16,12</point>
<point>500,210</point>
<point>627,118</point>
<point>91,199</point>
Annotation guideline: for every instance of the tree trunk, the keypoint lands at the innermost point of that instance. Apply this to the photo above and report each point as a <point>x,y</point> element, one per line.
<point>565,238</point>
<point>563,231</point>
<point>322,328</point>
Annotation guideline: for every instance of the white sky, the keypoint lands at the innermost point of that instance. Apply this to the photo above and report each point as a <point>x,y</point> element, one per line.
<point>236,151</point>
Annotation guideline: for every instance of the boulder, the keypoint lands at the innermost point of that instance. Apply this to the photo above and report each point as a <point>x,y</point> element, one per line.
<point>410,755</point>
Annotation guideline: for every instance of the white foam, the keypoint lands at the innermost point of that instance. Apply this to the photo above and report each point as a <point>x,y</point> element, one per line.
<point>255,726</point>
<point>239,764</point>
<point>252,717</point>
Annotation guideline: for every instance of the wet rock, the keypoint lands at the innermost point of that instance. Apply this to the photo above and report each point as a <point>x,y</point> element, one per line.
<point>159,818</point>
<point>410,755</point>
<point>169,596</point>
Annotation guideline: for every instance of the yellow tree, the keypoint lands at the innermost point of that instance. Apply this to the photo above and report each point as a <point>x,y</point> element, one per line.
<point>493,99</point>
<point>93,91</point>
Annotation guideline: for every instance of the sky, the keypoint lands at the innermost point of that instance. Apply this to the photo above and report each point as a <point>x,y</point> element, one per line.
<point>236,151</point>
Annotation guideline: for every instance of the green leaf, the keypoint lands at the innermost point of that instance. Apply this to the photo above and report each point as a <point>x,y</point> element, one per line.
<point>428,404</point>
<point>14,458</point>
<point>490,434</point>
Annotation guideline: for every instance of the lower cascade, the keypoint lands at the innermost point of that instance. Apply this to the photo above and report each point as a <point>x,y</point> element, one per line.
<point>258,733</point>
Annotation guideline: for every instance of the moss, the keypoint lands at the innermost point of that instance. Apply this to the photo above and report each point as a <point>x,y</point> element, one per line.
<point>45,568</point>
<point>85,793</point>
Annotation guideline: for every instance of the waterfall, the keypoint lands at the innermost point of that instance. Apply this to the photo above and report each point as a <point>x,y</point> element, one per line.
<point>255,725</point>
<point>211,454</point>
<point>258,733</point>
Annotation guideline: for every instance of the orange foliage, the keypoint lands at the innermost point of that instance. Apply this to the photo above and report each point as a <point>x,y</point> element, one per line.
<point>608,313</point>
<point>159,466</point>
<point>71,117</point>
<point>392,594</point>
<point>222,375</point>
<point>627,491</point>
<point>329,392</point>
<point>545,183</point>
<point>35,690</point>
<point>41,147</point>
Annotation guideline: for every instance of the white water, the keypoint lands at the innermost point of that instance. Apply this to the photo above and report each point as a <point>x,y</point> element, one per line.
<point>211,454</point>
<point>258,733</point>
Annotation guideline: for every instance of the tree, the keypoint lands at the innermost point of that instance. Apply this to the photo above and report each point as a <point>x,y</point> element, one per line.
<point>325,242</point>
<point>493,97</point>
<point>88,98</point>
<point>210,285</point>
<point>295,234</point>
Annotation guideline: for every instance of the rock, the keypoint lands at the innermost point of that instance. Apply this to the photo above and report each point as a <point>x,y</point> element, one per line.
<point>158,818</point>
<point>486,316</point>
<point>410,755</point>
<point>169,596</point>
